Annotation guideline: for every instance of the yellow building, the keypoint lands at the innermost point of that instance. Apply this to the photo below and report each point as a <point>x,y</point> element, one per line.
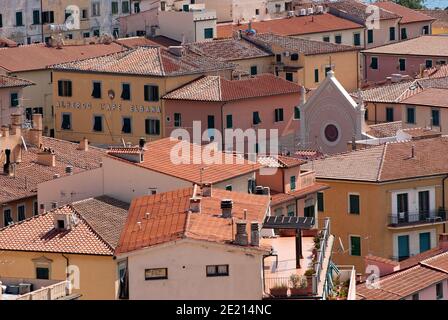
<point>307,62</point>
<point>116,98</point>
<point>387,200</point>
<point>74,242</point>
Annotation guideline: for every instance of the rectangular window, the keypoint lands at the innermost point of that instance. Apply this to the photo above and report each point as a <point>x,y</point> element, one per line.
<point>7,217</point>
<point>389,114</point>
<point>439,290</point>
<point>291,210</point>
<point>425,30</point>
<point>296,113</point>
<point>221,270</point>
<point>177,120</point>
<point>114,7</point>
<point>152,127</point>
<point>42,273</point>
<point>21,212</point>
<point>1,21</point>
<point>404,34</point>
<point>14,99</point>
<point>327,69</point>
<point>98,123</point>
<point>320,201</point>
<point>256,118</point>
<point>125,7</point>
<point>309,212</point>
<point>410,113</point>
<point>86,34</point>
<point>294,57</point>
<point>428,64</point>
<point>208,33</point>
<point>96,32</point>
<point>84,14</point>
<point>229,121</point>
<point>151,93</point>
<point>19,19</point>
<point>292,183</point>
<point>125,91</point>
<point>278,114</point>
<point>253,70</point>
<point>47,17</point>
<point>326,38</point>
<point>370,36</point>
<point>136,7</point>
<point>96,91</point>
<point>402,64</point>
<point>289,76</point>
<point>353,201</point>
<point>66,121</point>
<point>126,128</point>
<point>374,63</point>
<point>156,274</point>
<point>96,9</point>
<point>36,17</point>
<point>357,39</point>
<point>338,39</point>
<point>278,58</point>
<point>229,187</point>
<point>64,88</point>
<point>35,208</point>
<point>316,75</point>
<point>355,246</point>
<point>392,34</point>
<point>210,122</point>
<point>435,117</point>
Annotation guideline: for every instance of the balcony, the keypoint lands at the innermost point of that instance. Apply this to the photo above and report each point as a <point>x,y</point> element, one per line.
<point>409,219</point>
<point>287,278</point>
<point>306,178</point>
<point>34,289</point>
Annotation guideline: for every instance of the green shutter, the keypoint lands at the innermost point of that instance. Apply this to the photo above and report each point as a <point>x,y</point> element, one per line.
<point>354,203</point>
<point>292,181</point>
<point>320,201</point>
<point>355,246</point>
<point>316,75</point>
<point>229,121</point>
<point>296,113</point>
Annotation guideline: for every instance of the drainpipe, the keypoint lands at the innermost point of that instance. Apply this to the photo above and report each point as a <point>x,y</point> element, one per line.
<point>443,201</point>
<point>222,126</point>
<point>67,274</point>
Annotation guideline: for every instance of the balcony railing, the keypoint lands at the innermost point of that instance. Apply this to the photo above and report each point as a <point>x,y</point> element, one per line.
<point>306,179</point>
<point>412,218</point>
<point>318,267</point>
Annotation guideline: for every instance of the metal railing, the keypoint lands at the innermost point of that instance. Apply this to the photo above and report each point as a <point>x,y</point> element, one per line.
<point>318,267</point>
<point>407,218</point>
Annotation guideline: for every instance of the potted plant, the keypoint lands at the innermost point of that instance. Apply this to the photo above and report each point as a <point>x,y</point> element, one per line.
<point>309,274</point>
<point>279,290</point>
<point>299,285</point>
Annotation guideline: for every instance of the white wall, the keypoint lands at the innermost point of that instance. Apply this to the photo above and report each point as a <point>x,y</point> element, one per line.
<point>186,261</point>
<point>414,240</point>
<point>239,184</point>
<point>413,199</point>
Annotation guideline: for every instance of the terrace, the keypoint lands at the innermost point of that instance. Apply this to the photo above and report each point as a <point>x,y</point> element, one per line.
<point>35,289</point>
<point>411,219</point>
<point>298,266</point>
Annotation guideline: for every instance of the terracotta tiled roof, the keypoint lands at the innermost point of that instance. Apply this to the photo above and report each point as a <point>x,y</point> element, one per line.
<point>298,45</point>
<point>383,130</point>
<point>280,161</point>
<point>439,262</point>
<point>292,26</point>
<point>280,197</point>
<point>401,284</point>
<point>228,49</point>
<point>169,218</point>
<point>432,46</point>
<point>438,72</point>
<point>157,157</point>
<point>215,88</point>
<point>415,260</point>
<point>8,82</point>
<point>357,9</point>
<point>18,59</point>
<point>134,42</point>
<point>5,42</point>
<point>390,161</point>
<point>100,222</point>
<point>407,15</point>
<point>440,15</point>
<point>151,61</point>
<point>433,97</point>
<point>29,173</point>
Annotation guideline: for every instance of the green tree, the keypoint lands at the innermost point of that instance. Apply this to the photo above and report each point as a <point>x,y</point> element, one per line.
<point>413,4</point>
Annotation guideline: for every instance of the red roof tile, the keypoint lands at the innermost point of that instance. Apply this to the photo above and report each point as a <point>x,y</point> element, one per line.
<point>9,82</point>
<point>407,15</point>
<point>192,167</point>
<point>215,88</point>
<point>169,218</point>
<point>292,26</point>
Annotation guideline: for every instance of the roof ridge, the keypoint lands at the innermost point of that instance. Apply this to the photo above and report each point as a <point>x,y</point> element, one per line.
<point>159,57</point>
<point>380,169</point>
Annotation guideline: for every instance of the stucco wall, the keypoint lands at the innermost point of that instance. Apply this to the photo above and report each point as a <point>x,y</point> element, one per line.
<point>186,262</point>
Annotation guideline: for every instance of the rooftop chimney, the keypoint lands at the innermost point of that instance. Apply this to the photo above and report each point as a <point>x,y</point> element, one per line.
<point>226,207</point>
<point>176,50</point>
<point>207,190</point>
<point>46,157</point>
<point>259,190</point>
<point>141,142</point>
<point>84,145</point>
<point>7,165</point>
<point>241,237</point>
<point>255,234</point>
<point>5,131</point>
<point>443,241</point>
<point>16,123</point>
<point>35,134</point>
<point>195,204</point>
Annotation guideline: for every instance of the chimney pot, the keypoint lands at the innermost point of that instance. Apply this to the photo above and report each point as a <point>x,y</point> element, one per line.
<point>195,204</point>
<point>141,142</point>
<point>241,237</point>
<point>226,207</point>
<point>207,190</point>
<point>255,234</point>
<point>46,158</point>
<point>84,145</point>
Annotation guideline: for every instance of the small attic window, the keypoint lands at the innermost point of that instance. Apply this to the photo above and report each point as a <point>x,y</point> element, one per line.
<point>61,224</point>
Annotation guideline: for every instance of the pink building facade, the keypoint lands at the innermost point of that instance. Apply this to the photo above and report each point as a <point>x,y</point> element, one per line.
<point>11,95</point>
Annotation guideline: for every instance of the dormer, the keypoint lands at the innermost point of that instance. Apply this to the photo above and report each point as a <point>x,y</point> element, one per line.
<point>64,221</point>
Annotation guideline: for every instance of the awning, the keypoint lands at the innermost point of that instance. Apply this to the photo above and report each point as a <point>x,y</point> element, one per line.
<point>281,222</point>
